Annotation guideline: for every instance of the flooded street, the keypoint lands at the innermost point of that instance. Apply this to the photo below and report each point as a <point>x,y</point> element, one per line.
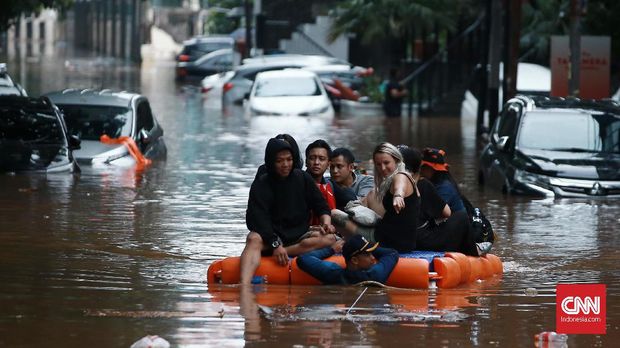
<point>108,256</point>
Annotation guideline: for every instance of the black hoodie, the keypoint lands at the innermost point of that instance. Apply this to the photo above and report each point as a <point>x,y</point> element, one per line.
<point>280,207</point>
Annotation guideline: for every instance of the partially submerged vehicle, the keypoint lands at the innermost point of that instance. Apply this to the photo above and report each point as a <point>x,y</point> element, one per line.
<point>34,137</point>
<point>7,85</point>
<point>91,114</point>
<point>554,147</point>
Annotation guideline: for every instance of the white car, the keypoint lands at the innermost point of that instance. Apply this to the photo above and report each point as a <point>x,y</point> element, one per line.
<point>289,92</point>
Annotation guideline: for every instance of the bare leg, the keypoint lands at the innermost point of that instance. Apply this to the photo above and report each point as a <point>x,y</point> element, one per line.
<point>250,257</point>
<point>311,243</point>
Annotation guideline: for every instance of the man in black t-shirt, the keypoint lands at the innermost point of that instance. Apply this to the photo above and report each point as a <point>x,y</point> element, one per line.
<point>394,94</point>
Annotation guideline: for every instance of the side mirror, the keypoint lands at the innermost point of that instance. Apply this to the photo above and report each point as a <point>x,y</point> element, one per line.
<point>246,96</point>
<point>74,142</point>
<point>145,137</point>
<point>501,142</point>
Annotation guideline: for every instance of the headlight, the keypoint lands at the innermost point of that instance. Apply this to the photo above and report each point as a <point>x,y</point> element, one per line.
<point>525,177</point>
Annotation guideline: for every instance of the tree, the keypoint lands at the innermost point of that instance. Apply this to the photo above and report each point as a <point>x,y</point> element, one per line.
<point>12,9</point>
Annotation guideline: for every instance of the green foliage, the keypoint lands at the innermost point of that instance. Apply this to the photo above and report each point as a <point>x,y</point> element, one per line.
<point>217,22</point>
<point>375,20</point>
<point>551,17</point>
<point>372,89</point>
<point>12,9</point>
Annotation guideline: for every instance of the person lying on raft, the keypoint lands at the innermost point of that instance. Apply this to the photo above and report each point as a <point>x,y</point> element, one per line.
<point>365,261</point>
<point>278,214</point>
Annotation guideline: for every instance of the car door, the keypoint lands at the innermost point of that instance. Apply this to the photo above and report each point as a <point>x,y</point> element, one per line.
<point>146,131</point>
<point>499,155</point>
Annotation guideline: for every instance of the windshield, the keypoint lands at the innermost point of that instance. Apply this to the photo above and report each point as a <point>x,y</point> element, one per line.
<point>205,47</point>
<point>90,122</point>
<point>575,131</point>
<point>29,140</point>
<point>287,87</point>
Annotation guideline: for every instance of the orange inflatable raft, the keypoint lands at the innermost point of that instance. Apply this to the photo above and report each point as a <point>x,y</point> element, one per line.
<point>417,270</point>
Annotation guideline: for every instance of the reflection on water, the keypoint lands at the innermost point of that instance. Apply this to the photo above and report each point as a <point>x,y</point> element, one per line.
<point>108,256</point>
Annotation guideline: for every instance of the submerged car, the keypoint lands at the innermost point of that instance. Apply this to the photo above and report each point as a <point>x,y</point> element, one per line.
<point>212,63</point>
<point>34,137</point>
<point>234,90</point>
<point>289,92</point>
<point>89,114</point>
<point>549,146</point>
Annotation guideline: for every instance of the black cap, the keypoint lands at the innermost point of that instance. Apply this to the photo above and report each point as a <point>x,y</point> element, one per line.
<point>357,244</point>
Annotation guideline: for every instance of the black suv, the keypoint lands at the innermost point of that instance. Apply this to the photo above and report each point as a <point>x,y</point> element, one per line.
<point>549,146</point>
<point>34,137</point>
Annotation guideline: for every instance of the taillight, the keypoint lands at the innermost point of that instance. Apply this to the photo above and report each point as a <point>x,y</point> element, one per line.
<point>227,87</point>
<point>205,89</point>
<point>184,58</point>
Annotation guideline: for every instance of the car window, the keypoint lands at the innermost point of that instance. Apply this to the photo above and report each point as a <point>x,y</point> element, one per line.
<point>507,123</point>
<point>286,87</point>
<point>90,122</point>
<point>30,126</point>
<point>572,131</point>
<point>145,117</point>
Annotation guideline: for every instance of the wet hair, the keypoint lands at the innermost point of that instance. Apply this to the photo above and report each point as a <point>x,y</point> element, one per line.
<point>411,157</point>
<point>345,153</point>
<point>382,185</point>
<point>319,143</point>
<point>297,162</point>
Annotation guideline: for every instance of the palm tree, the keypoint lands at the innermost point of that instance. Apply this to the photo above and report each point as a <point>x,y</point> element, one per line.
<point>377,20</point>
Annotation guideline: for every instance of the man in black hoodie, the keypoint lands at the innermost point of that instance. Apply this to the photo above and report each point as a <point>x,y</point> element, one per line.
<point>278,214</point>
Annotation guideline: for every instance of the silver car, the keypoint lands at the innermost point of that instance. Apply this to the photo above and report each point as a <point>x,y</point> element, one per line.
<point>7,85</point>
<point>89,114</point>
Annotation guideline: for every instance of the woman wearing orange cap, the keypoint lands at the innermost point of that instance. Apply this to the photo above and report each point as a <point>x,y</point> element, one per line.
<point>435,169</point>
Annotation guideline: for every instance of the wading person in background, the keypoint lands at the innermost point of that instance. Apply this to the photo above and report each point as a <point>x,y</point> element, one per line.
<point>278,213</point>
<point>394,94</point>
<point>364,261</point>
<point>317,162</point>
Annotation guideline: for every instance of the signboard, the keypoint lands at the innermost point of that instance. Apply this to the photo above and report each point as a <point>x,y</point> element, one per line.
<point>595,59</point>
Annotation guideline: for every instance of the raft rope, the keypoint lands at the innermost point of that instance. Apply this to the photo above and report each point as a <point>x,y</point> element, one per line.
<point>358,298</point>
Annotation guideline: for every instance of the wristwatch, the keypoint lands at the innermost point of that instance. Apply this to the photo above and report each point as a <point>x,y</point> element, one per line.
<point>276,243</point>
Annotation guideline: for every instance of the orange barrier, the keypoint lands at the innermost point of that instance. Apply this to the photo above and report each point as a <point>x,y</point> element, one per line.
<point>450,271</point>
<point>131,146</point>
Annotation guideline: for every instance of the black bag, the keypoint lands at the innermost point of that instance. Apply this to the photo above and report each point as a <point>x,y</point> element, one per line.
<point>482,231</point>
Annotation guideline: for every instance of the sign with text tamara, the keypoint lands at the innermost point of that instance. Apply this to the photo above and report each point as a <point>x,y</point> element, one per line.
<point>595,56</point>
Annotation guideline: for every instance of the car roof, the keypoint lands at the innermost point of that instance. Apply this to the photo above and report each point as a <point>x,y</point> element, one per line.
<point>216,53</point>
<point>537,102</point>
<point>41,104</point>
<point>203,39</point>
<point>292,58</point>
<point>285,73</point>
<point>92,97</point>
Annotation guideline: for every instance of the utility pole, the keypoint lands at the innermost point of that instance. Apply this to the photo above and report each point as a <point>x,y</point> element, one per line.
<point>494,59</point>
<point>575,48</point>
<point>248,28</point>
<point>511,62</point>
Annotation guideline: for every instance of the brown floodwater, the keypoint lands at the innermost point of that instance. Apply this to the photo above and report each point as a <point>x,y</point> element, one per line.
<point>103,258</point>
